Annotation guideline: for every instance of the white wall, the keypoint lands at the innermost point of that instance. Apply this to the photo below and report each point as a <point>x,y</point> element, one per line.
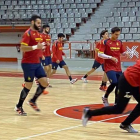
<point>10,52</point>
<point>10,37</point>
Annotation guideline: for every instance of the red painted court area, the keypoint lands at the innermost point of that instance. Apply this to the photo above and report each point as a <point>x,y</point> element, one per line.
<point>56,76</point>
<point>75,112</point>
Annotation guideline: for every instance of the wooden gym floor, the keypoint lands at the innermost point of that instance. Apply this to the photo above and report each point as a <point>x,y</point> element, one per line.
<point>48,125</point>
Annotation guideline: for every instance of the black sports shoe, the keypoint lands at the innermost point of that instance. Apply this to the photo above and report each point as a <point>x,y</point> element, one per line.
<point>33,105</point>
<point>20,111</point>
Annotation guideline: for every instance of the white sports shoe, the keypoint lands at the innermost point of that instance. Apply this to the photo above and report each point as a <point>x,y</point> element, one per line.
<point>73,81</point>
<point>85,117</point>
<point>84,80</point>
<point>105,101</point>
<point>128,128</point>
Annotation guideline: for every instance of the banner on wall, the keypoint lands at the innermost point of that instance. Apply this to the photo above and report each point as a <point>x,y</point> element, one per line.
<point>133,48</point>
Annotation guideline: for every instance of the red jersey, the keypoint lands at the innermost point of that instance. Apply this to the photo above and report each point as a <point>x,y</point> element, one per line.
<point>47,39</point>
<point>97,58</point>
<point>31,38</point>
<point>132,74</point>
<point>57,51</point>
<point>114,49</point>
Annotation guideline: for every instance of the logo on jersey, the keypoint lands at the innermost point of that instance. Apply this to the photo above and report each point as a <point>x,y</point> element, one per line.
<point>117,44</point>
<point>132,52</point>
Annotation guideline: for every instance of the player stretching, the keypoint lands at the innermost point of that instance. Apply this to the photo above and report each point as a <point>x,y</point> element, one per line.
<point>110,50</point>
<point>31,46</point>
<point>57,60</point>
<point>129,85</point>
<point>98,62</point>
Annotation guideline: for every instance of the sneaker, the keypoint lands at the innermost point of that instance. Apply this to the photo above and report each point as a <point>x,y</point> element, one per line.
<point>84,80</point>
<point>103,88</point>
<point>33,105</point>
<point>45,92</point>
<point>23,85</point>
<point>105,101</point>
<point>20,111</point>
<point>73,81</point>
<point>128,128</point>
<point>85,117</point>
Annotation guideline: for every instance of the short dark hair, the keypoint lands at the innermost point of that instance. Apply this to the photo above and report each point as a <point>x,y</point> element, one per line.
<point>34,17</point>
<point>46,26</point>
<point>115,29</point>
<point>60,35</point>
<point>102,33</point>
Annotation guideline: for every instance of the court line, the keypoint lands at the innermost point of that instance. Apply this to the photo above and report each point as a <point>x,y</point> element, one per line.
<point>68,128</point>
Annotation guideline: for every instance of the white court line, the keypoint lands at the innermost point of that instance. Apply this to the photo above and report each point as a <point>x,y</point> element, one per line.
<point>68,128</point>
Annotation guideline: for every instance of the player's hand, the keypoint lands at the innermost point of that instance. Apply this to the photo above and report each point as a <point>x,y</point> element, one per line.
<point>65,56</point>
<point>114,59</point>
<point>127,55</point>
<point>43,57</point>
<point>57,61</point>
<point>41,45</point>
<point>51,55</point>
<point>48,44</point>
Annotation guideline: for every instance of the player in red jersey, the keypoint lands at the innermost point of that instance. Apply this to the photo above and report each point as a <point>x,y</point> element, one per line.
<point>46,58</point>
<point>129,85</point>
<point>31,46</point>
<point>57,59</point>
<point>110,50</point>
<point>98,62</point>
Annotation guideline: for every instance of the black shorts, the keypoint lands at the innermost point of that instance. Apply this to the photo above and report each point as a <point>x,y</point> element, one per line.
<point>32,70</point>
<point>61,64</point>
<point>96,65</point>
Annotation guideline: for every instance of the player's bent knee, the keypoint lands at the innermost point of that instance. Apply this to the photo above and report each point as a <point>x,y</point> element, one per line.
<point>28,85</point>
<point>43,82</point>
<point>65,67</point>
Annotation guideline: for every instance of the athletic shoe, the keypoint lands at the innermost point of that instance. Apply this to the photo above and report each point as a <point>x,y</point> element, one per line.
<point>85,117</point>
<point>84,80</point>
<point>33,105</point>
<point>73,81</point>
<point>105,101</point>
<point>23,85</point>
<point>128,128</point>
<point>103,88</point>
<point>20,111</point>
<point>45,92</point>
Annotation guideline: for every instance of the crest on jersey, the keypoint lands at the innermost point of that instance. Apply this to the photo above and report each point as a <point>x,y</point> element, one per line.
<point>132,52</point>
<point>117,44</point>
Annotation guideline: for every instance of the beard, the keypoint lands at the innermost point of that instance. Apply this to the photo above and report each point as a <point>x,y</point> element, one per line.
<point>36,28</point>
<point>47,32</point>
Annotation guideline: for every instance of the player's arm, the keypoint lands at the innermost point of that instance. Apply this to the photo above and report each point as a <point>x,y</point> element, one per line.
<point>102,55</point>
<point>123,51</point>
<point>24,47</point>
